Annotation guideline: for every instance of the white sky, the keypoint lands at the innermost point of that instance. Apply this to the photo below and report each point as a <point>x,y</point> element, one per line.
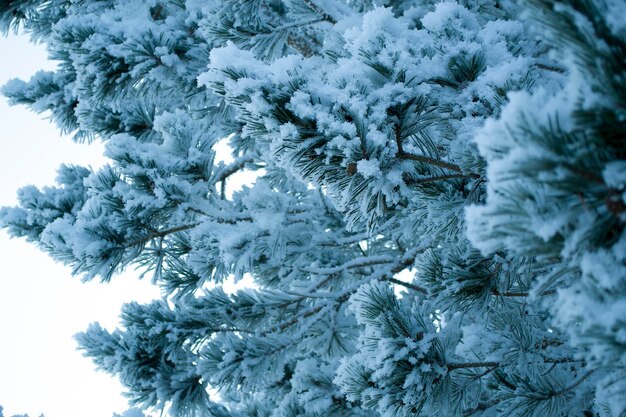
<point>41,305</point>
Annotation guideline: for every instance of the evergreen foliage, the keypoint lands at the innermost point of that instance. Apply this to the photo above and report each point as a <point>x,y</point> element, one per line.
<point>436,225</point>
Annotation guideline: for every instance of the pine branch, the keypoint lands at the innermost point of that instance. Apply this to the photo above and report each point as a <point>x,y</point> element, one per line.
<point>319,11</point>
<point>229,170</point>
<point>355,263</point>
<point>408,285</point>
<point>466,365</point>
<point>485,373</point>
<point>342,242</point>
<point>158,234</point>
<point>481,407</point>
<point>219,219</point>
<point>300,24</point>
<point>304,295</point>
<point>494,365</point>
<point>434,162</point>
<point>519,294</point>
<point>412,181</point>
<point>224,330</point>
<point>400,265</point>
<point>408,258</point>
<point>405,261</point>
<point>573,385</point>
<point>402,154</point>
<point>563,360</point>
<point>296,319</point>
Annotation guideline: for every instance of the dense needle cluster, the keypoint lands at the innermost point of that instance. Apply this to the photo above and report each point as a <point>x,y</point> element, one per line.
<point>434,216</point>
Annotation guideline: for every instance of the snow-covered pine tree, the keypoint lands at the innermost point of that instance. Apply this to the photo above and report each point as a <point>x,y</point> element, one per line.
<point>360,121</point>
<point>557,188</point>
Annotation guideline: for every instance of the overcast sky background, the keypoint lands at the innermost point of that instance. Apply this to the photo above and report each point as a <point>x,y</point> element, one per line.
<point>41,305</point>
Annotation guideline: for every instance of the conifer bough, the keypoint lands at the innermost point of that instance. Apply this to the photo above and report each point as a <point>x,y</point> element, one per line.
<point>435,224</point>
